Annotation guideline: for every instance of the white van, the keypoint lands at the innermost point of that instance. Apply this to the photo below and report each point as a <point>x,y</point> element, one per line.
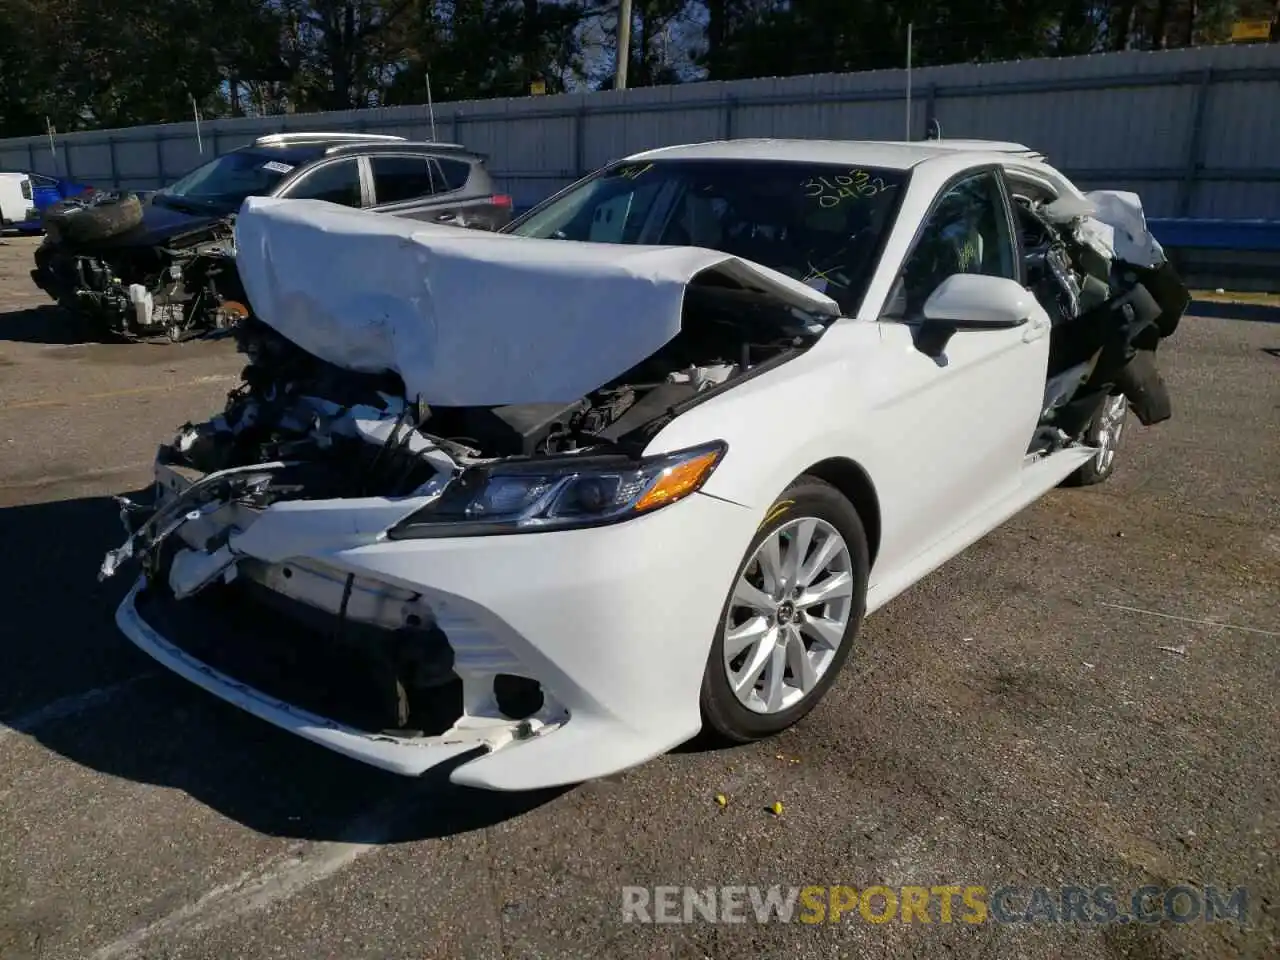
<point>16,204</point>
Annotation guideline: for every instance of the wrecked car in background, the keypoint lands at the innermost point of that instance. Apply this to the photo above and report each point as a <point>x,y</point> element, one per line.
<point>138,267</point>
<point>163,263</point>
<point>544,504</point>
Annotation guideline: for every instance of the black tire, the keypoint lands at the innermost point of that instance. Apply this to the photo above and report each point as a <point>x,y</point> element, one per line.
<point>1100,468</point>
<point>97,217</point>
<point>1141,382</point>
<point>724,717</point>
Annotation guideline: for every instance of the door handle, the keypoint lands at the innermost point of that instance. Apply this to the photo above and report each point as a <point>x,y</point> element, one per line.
<point>1034,330</point>
<point>446,218</point>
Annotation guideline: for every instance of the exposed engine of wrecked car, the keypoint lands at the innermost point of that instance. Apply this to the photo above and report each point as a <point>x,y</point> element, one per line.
<point>357,434</point>
<point>181,287</point>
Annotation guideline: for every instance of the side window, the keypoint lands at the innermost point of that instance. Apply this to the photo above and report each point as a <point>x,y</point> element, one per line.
<point>966,232</point>
<point>613,208</point>
<point>396,179</point>
<point>620,218</point>
<point>335,182</point>
<point>454,173</point>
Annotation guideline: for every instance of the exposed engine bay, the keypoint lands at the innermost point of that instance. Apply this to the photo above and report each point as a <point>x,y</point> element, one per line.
<point>359,435</point>
<point>177,289</point>
<point>1108,313</point>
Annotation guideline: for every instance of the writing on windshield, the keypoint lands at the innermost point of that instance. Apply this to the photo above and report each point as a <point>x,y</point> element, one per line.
<point>819,223</point>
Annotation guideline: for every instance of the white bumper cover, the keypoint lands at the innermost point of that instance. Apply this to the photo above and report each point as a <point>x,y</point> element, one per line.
<point>614,631</point>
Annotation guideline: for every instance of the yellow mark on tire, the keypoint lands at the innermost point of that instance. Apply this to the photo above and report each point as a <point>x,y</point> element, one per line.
<point>777,510</point>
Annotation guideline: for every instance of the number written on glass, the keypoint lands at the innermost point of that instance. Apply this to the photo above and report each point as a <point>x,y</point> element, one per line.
<point>835,189</point>
<point>634,171</point>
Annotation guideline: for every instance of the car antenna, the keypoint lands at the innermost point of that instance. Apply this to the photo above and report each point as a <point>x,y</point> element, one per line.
<point>431,110</point>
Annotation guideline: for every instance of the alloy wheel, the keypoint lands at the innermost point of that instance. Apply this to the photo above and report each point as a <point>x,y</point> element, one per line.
<point>1110,425</point>
<point>788,615</point>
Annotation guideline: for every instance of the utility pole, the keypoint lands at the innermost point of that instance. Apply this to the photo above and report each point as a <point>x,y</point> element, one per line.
<point>910,27</point>
<point>623,57</point>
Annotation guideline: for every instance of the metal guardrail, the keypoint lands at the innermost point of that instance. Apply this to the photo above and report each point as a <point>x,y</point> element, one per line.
<point>1192,234</point>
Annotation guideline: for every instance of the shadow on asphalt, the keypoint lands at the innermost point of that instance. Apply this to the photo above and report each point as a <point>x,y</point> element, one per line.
<point>48,324</point>
<point>60,642</point>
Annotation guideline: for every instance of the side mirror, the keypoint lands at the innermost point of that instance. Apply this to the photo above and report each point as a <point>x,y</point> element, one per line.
<point>971,301</point>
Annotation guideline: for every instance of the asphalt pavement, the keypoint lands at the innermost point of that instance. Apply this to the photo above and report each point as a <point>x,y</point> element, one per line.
<point>1087,696</point>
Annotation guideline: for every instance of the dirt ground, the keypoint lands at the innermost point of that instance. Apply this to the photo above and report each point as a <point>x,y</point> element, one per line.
<point>1087,696</point>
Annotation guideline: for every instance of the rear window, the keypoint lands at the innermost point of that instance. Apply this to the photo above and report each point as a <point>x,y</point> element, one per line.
<point>396,179</point>
<point>454,172</point>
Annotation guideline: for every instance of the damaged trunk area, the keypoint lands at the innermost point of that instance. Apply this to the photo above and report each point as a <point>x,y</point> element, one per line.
<point>369,654</point>
<point>176,289</point>
<point>1111,297</point>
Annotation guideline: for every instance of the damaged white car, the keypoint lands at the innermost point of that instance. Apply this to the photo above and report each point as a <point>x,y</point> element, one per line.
<point>544,504</point>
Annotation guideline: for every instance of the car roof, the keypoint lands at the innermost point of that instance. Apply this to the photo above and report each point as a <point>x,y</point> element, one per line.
<point>301,146</point>
<point>886,154</point>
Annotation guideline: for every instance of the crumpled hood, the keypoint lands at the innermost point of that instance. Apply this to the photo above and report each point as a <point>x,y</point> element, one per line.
<point>467,317</point>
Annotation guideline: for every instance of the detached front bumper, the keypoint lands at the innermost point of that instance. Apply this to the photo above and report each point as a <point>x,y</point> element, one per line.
<point>614,624</point>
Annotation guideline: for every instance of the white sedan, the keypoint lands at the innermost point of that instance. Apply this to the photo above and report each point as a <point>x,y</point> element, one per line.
<point>543,505</point>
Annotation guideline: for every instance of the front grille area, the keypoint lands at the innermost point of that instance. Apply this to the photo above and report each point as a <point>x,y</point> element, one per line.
<point>375,680</point>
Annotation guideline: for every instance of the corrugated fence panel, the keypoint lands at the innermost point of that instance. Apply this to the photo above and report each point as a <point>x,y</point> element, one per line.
<point>1087,129</point>
<point>1196,131</point>
<point>137,160</point>
<point>634,120</point>
<point>1242,124</point>
<point>1237,201</point>
<point>179,155</point>
<point>92,162</point>
<point>14,157</point>
<point>543,145</point>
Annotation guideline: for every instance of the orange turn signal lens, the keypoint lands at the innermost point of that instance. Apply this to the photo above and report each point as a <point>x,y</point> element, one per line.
<point>678,481</point>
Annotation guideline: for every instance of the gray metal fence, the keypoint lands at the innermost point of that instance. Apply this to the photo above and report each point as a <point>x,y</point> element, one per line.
<point>1196,132</point>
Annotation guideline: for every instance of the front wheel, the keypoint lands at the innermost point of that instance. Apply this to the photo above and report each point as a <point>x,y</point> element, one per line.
<point>1104,432</point>
<point>791,617</point>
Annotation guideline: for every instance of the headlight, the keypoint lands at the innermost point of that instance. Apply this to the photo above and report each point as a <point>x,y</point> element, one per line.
<point>559,494</point>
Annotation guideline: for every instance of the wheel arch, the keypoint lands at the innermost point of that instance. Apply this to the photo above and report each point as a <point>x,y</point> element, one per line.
<point>855,485</point>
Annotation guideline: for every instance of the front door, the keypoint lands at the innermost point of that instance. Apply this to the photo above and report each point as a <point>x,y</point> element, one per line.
<point>962,421</point>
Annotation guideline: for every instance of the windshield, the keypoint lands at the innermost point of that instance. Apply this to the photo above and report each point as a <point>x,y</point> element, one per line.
<point>817,223</point>
<point>226,181</point>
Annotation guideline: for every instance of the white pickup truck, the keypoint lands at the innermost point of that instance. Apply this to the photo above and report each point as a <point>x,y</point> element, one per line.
<point>16,203</point>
